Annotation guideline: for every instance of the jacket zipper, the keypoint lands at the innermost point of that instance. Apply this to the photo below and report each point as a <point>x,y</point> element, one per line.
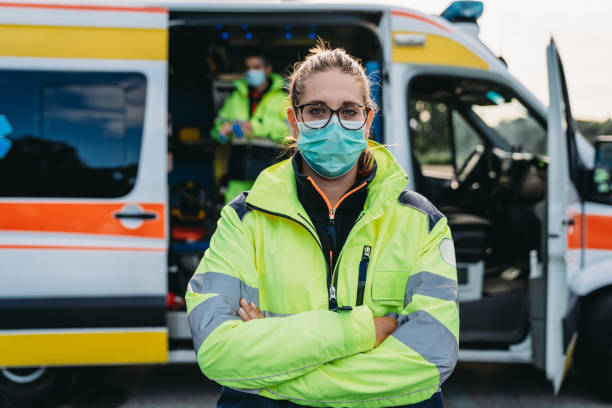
<point>332,280</point>
<point>335,281</point>
<point>363,273</point>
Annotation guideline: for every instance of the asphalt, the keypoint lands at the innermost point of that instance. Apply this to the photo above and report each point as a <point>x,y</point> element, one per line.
<point>470,386</point>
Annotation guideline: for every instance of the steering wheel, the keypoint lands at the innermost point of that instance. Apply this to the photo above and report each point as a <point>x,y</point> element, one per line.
<point>476,180</point>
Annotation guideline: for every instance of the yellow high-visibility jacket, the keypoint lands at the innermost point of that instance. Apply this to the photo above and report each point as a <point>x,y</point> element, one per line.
<point>269,119</point>
<point>265,249</point>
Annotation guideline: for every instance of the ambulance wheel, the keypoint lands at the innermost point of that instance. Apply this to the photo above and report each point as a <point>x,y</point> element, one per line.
<point>34,386</point>
<point>593,359</point>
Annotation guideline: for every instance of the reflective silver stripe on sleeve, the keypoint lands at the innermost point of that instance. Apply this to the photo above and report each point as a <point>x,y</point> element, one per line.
<point>212,312</point>
<point>249,293</point>
<point>226,285</point>
<point>207,316</point>
<point>401,394</point>
<point>430,284</point>
<point>272,314</point>
<point>431,339</point>
<point>248,391</point>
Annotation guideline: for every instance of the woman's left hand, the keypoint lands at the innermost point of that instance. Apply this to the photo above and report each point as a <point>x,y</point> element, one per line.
<point>248,311</point>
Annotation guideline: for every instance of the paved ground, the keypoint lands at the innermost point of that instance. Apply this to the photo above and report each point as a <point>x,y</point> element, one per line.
<point>471,386</point>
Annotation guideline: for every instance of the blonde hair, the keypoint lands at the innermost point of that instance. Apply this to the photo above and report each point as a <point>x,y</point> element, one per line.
<point>322,58</point>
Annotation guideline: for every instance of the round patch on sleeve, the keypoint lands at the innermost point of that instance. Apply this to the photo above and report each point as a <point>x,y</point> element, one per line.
<point>447,250</point>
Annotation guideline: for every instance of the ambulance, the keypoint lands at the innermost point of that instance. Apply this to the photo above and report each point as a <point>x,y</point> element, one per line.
<point>109,181</point>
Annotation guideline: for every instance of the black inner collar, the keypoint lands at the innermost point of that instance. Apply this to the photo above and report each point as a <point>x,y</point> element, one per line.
<point>332,235</point>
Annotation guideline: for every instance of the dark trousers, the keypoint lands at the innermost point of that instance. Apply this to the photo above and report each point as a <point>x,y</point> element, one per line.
<point>236,399</point>
<point>247,161</point>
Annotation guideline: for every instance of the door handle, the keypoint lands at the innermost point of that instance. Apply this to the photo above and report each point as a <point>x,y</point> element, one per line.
<point>135,216</point>
<point>569,222</point>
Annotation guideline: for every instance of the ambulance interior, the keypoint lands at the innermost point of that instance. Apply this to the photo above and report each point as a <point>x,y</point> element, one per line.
<point>478,154</point>
<point>207,52</point>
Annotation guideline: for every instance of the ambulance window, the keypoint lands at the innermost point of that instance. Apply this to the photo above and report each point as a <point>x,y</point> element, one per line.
<point>73,134</point>
<point>72,111</point>
<point>513,122</point>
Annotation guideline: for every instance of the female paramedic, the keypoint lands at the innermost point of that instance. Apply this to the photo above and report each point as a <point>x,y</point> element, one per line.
<point>330,283</point>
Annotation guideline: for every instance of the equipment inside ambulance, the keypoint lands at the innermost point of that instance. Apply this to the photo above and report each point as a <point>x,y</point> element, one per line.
<point>94,202</point>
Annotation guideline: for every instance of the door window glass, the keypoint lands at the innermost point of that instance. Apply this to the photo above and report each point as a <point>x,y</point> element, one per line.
<point>74,134</point>
<point>513,122</point>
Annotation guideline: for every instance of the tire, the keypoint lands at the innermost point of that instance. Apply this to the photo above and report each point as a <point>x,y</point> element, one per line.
<point>35,386</point>
<point>593,359</point>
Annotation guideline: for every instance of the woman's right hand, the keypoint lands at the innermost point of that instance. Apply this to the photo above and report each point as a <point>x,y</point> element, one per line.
<point>226,129</point>
<point>384,326</point>
<point>248,311</point>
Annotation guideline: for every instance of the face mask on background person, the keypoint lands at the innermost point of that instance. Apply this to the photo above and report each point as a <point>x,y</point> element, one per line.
<point>333,150</point>
<point>255,77</point>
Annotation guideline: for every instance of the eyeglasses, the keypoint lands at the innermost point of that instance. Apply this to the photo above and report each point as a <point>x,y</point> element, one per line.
<point>318,115</point>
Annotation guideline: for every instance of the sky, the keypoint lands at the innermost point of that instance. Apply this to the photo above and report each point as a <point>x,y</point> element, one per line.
<point>520,30</point>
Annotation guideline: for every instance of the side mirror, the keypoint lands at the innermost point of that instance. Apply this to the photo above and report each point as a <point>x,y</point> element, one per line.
<point>602,172</point>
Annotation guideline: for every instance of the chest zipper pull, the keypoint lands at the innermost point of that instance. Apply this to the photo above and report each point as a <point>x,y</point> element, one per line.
<point>363,273</point>
<point>331,233</point>
<point>333,303</point>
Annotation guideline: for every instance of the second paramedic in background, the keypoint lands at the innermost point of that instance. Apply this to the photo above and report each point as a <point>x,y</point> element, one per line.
<point>254,120</point>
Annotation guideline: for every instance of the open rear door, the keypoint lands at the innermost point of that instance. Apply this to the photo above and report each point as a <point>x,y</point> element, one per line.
<point>83,196</point>
<point>563,222</point>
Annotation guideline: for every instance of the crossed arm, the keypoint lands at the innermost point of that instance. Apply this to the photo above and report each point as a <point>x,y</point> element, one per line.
<point>383,326</point>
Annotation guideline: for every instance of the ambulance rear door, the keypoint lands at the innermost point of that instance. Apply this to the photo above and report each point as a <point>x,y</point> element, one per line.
<point>564,225</point>
<point>83,196</point>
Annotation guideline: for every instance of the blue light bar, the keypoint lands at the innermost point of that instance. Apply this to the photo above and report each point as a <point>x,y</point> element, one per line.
<point>468,11</point>
<point>249,36</point>
<point>288,36</point>
<point>225,35</point>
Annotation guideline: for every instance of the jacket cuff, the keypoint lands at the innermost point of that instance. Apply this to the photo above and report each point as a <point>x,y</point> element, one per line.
<point>358,329</point>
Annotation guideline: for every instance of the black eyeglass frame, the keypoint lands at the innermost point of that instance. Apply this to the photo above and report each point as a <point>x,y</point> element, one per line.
<point>300,108</point>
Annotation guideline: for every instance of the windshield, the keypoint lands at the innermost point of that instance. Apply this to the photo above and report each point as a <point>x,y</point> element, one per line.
<point>513,123</point>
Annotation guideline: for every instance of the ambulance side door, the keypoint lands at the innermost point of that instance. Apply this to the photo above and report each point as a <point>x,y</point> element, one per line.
<point>564,215</point>
<point>83,195</point>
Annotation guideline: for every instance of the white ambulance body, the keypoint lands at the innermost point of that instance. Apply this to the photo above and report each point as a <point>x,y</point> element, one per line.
<point>88,246</point>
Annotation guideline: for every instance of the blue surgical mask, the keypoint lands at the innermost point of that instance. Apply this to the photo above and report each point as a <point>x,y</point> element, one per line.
<point>255,77</point>
<point>333,150</point>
